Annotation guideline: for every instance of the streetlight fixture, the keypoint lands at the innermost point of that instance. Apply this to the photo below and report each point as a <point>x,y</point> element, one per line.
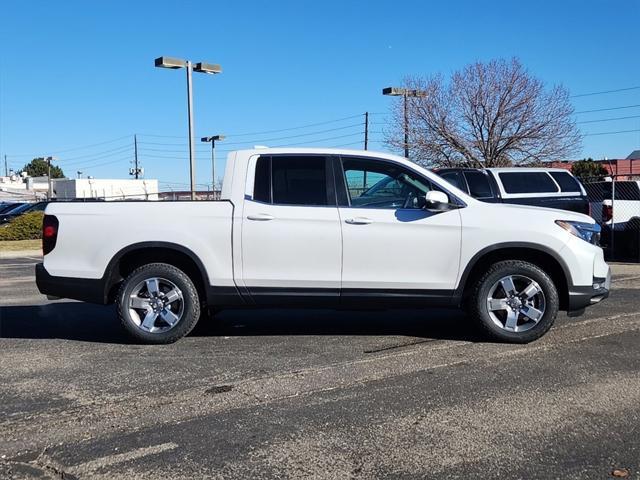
<point>404,93</point>
<point>201,67</point>
<point>213,139</point>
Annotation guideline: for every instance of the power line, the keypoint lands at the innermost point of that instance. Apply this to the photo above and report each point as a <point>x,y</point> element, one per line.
<point>318,132</point>
<point>608,109</point>
<point>605,91</point>
<point>111,162</point>
<point>296,128</point>
<point>78,157</point>
<point>103,154</point>
<point>611,133</point>
<point>319,140</point>
<point>173,157</point>
<point>610,119</point>
<point>49,152</point>
<point>264,132</point>
<point>346,145</point>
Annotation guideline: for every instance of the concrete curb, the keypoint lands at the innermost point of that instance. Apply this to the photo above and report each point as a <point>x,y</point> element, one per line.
<point>20,254</point>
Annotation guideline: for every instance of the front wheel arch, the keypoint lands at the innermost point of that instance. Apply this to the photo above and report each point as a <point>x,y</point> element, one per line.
<point>542,258</point>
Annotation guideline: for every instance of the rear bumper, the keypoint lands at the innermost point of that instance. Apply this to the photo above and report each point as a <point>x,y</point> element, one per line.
<point>84,289</point>
<point>581,297</point>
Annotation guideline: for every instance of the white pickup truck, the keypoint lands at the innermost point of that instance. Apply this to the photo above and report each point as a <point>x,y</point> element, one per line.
<point>324,228</point>
<point>619,216</point>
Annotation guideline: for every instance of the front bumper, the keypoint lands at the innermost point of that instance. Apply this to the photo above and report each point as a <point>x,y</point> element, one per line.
<point>84,289</point>
<point>581,297</point>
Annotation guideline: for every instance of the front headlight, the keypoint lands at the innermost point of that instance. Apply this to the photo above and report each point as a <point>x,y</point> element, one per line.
<point>589,232</point>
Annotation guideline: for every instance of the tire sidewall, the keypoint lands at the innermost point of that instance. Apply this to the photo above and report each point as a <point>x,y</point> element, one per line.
<point>501,270</point>
<point>191,303</point>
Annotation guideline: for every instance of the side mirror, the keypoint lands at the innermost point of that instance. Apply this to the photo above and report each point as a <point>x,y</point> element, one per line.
<point>436,200</point>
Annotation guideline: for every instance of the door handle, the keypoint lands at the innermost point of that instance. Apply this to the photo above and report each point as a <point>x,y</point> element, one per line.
<point>358,221</point>
<point>260,217</point>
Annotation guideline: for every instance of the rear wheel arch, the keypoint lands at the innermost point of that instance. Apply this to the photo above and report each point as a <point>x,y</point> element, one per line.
<point>542,257</point>
<point>134,256</point>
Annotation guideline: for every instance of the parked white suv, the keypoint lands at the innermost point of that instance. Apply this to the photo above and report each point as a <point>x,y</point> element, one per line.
<point>303,227</point>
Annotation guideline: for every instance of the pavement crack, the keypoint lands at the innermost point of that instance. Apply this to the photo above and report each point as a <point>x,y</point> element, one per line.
<point>219,389</point>
<point>401,345</point>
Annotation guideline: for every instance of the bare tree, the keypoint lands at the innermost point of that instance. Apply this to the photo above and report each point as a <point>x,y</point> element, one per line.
<point>487,115</point>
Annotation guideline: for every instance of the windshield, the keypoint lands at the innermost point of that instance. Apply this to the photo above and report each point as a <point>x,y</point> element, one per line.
<point>7,206</point>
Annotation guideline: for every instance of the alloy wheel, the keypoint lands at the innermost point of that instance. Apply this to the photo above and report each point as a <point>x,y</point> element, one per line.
<point>516,303</point>
<point>156,305</point>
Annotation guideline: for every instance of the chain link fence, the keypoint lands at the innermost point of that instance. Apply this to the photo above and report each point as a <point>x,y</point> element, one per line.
<point>615,205</point>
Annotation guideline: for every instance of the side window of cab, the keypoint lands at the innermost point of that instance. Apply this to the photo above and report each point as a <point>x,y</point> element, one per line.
<point>293,180</point>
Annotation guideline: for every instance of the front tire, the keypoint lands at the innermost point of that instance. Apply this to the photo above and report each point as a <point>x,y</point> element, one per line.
<point>514,301</point>
<point>158,303</point>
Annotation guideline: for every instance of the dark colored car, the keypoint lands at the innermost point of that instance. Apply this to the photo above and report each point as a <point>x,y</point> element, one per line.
<point>22,209</point>
<point>539,187</point>
<point>6,206</point>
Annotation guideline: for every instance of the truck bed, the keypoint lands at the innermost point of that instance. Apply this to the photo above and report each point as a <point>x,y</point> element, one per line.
<point>201,227</point>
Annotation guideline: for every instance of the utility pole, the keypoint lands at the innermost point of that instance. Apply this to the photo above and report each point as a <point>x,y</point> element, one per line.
<point>6,168</point>
<point>135,153</point>
<point>135,170</point>
<point>50,188</point>
<point>366,130</point>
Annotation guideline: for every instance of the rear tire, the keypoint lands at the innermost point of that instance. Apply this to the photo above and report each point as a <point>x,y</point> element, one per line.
<point>514,301</point>
<point>158,303</point>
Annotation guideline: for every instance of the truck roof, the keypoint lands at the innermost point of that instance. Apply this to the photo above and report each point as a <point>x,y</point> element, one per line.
<point>319,151</point>
<point>527,169</point>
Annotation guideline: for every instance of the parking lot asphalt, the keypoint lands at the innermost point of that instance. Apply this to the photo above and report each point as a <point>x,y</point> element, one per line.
<point>315,394</point>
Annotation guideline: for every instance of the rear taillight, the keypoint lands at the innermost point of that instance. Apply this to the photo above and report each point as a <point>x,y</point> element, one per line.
<point>607,212</point>
<point>49,233</point>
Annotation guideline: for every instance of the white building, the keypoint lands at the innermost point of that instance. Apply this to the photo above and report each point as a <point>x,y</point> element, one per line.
<point>14,188</point>
<point>108,189</point>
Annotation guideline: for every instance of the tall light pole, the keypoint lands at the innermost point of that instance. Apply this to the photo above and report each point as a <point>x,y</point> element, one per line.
<point>213,139</point>
<point>405,93</point>
<point>49,189</point>
<point>173,63</point>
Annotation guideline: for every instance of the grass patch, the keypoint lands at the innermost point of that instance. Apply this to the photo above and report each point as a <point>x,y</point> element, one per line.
<point>17,245</point>
<point>27,226</point>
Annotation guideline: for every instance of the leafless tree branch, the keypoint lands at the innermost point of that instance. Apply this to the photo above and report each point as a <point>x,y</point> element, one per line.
<point>486,115</point>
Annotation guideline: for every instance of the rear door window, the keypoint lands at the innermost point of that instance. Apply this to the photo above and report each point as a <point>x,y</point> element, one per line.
<point>567,182</point>
<point>292,180</point>
<point>299,180</point>
<point>527,182</point>
<point>479,186</point>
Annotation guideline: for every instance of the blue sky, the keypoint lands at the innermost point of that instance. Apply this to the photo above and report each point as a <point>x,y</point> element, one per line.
<point>75,74</point>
